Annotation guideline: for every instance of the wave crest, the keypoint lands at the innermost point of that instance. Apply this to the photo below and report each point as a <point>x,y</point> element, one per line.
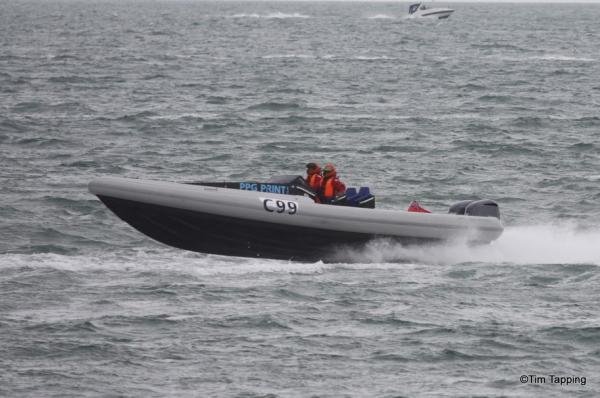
<point>272,15</point>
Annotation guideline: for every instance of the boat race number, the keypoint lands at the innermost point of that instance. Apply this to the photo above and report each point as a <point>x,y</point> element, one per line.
<point>279,206</point>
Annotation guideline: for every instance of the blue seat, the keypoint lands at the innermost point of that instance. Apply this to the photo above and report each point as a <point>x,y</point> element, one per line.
<point>350,196</point>
<point>363,192</point>
<point>350,193</point>
<point>364,198</point>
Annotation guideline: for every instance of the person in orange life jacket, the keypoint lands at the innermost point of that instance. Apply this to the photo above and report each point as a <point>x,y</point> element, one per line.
<point>313,176</point>
<point>331,186</point>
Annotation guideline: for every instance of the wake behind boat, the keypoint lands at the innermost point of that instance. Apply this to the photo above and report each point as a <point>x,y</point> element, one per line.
<point>279,218</point>
<point>420,10</point>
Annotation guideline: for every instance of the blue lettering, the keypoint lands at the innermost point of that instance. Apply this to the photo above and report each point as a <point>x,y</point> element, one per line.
<point>248,186</point>
<point>271,188</point>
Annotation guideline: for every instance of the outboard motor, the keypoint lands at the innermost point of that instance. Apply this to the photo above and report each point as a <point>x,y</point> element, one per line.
<point>480,208</point>
<point>483,208</point>
<point>459,207</point>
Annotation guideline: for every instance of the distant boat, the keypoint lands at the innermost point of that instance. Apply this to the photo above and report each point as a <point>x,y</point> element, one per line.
<point>420,10</point>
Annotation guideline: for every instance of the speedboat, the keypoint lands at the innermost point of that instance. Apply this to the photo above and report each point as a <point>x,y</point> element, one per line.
<point>280,218</point>
<point>420,10</point>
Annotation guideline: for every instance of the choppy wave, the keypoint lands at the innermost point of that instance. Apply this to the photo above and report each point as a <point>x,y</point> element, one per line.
<point>332,57</point>
<point>276,106</point>
<point>277,56</point>
<point>372,58</point>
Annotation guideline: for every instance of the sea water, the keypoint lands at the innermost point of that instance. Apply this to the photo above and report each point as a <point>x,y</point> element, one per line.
<point>500,101</point>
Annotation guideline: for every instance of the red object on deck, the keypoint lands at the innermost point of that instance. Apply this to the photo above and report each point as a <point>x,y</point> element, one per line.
<point>416,207</point>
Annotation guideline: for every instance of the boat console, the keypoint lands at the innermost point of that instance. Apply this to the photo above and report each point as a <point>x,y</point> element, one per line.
<point>297,185</point>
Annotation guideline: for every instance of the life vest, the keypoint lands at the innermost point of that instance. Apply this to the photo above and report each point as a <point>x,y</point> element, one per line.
<point>328,189</point>
<point>314,181</point>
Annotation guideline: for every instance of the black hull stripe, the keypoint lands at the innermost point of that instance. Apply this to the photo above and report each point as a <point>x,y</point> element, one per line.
<point>209,233</point>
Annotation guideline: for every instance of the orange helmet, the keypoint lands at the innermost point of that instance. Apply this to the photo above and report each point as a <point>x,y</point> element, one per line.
<point>329,170</point>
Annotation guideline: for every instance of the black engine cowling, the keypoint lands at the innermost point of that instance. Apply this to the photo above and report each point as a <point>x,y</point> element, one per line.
<point>480,208</point>
<point>459,207</point>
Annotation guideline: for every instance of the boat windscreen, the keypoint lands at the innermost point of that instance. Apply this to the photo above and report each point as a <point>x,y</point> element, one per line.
<point>297,183</point>
<point>284,179</point>
<point>413,7</point>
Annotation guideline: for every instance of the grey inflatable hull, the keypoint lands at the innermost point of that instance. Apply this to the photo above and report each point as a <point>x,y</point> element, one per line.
<point>259,224</point>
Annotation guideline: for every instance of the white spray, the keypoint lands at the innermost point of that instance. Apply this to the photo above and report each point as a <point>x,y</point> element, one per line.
<point>540,244</point>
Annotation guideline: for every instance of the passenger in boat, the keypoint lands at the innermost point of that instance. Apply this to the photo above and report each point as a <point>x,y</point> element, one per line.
<point>331,186</point>
<point>313,176</point>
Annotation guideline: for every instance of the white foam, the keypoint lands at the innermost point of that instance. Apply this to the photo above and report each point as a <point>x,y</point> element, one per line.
<point>170,260</point>
<point>382,16</point>
<point>243,15</point>
<point>273,15</point>
<point>566,58</point>
<point>282,15</point>
<point>547,57</point>
<point>523,245</point>
<point>371,57</point>
<point>278,56</point>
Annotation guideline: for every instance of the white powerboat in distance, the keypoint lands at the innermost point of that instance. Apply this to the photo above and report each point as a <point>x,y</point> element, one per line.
<point>420,10</point>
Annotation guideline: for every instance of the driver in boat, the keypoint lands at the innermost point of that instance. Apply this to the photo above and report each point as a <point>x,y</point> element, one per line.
<point>331,186</point>
<point>313,176</point>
